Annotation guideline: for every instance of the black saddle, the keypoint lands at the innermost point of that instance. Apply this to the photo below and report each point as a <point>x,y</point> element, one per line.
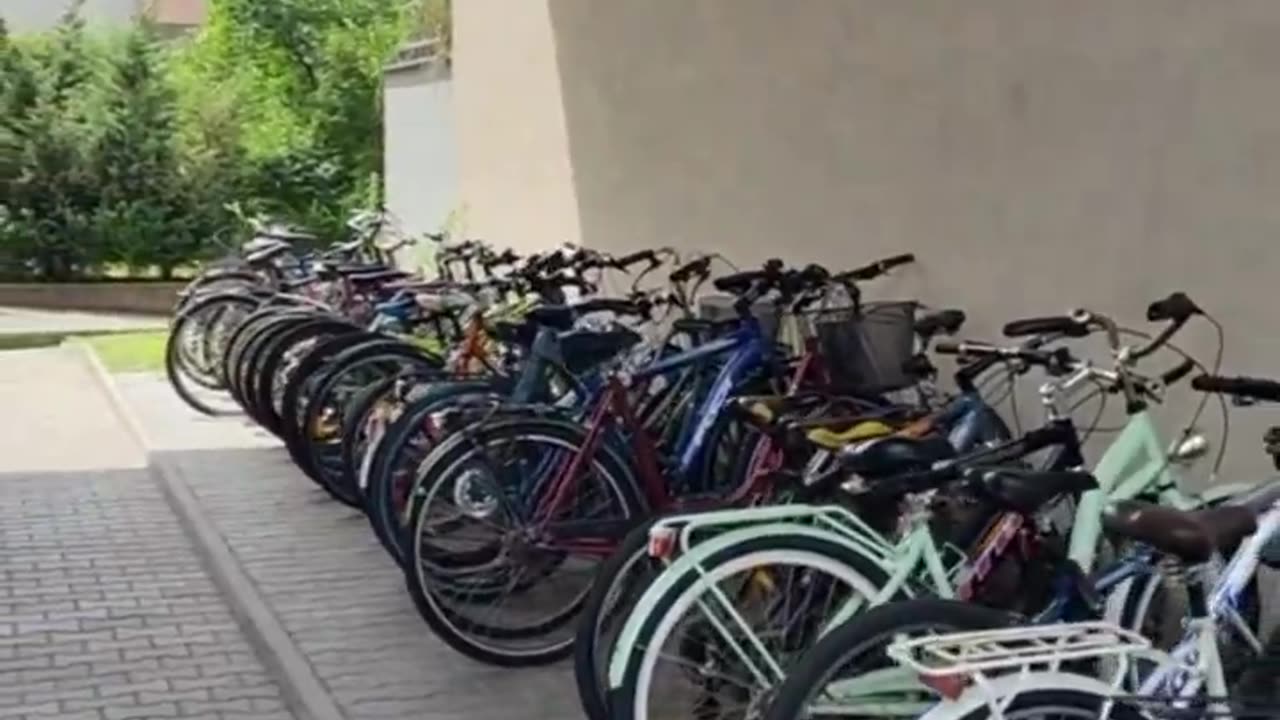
<point>358,268</point>
<point>1027,491</point>
<point>894,455</point>
<point>946,322</point>
<point>1193,535</point>
<point>584,349</point>
<point>560,317</point>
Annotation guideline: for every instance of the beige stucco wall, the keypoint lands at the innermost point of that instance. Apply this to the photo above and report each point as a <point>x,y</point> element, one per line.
<point>514,174</point>
<point>1036,154</point>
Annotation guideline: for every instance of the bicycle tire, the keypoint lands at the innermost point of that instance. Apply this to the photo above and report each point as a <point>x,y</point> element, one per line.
<point>354,359</point>
<point>267,364</point>
<point>172,352</point>
<point>383,504</point>
<point>266,335</point>
<point>870,632</point>
<point>620,582</point>
<point>477,640</point>
<point>356,439</point>
<point>1037,702</point>
<point>298,384</point>
<point>629,700</point>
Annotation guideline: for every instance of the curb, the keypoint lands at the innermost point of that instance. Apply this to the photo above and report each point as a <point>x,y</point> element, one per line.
<point>304,693</point>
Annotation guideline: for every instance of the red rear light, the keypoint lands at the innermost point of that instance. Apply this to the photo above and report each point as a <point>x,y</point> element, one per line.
<point>948,686</point>
<point>662,543</point>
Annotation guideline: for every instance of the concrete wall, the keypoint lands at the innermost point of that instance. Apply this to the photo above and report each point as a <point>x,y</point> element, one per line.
<point>514,174</point>
<point>1037,155</point>
<point>420,157</point>
<point>142,298</point>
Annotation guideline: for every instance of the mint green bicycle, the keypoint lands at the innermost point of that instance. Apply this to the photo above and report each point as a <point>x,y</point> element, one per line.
<point>705,608</point>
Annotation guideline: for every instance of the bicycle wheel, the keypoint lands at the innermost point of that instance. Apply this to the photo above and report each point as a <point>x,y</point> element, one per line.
<point>346,375</point>
<point>620,582</point>
<point>193,349</point>
<point>362,426</point>
<point>476,546</point>
<point>241,338</point>
<point>711,629</point>
<point>273,362</point>
<point>1063,705</point>
<point>847,673</point>
<point>267,334</point>
<point>300,382</point>
<point>398,454</point>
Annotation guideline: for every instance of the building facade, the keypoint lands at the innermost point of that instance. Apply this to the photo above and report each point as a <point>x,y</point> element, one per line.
<point>1036,155</point>
<point>171,16</point>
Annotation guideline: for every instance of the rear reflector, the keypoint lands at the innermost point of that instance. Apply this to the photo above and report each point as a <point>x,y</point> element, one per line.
<point>948,686</point>
<point>662,543</point>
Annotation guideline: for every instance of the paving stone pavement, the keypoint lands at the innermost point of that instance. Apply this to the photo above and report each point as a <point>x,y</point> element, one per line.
<point>105,612</point>
<point>331,585</point>
<point>57,417</point>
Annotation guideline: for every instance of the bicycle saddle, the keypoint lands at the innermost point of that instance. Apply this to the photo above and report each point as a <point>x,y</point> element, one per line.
<point>284,233</point>
<point>583,349</point>
<point>834,440</point>
<point>374,277</point>
<point>262,249</point>
<point>946,322</point>
<point>1026,491</point>
<point>357,268</point>
<point>895,454</point>
<point>1193,535</point>
<point>559,317</point>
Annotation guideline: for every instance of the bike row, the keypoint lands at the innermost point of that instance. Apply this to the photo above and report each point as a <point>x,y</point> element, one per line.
<point>767,507</point>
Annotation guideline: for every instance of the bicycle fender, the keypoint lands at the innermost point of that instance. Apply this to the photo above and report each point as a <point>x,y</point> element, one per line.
<point>690,562</point>
<point>976,697</point>
<point>1217,494</point>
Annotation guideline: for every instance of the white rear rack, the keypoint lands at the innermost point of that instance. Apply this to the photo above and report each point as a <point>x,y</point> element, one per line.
<point>1025,647</point>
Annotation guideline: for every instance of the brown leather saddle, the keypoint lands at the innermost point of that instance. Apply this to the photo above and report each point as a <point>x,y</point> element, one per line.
<point>1192,535</point>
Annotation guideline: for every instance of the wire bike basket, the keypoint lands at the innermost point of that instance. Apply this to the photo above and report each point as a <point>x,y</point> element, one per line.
<point>868,347</point>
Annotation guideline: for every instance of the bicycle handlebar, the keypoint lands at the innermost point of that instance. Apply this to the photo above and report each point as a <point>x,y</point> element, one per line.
<point>874,270</point>
<point>1241,387</point>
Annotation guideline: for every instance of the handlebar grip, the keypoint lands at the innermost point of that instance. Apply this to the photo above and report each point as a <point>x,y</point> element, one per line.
<point>874,270</point>
<point>1177,307</point>
<point>1046,325</point>
<point>1255,388</point>
<point>1178,372</point>
<point>948,348</point>
<point>739,282</point>
<point>627,261</point>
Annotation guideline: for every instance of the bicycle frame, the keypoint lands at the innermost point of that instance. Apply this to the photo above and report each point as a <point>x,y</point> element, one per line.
<point>747,349</point>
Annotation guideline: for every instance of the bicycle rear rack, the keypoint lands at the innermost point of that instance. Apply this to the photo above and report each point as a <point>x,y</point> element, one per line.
<point>1020,648</point>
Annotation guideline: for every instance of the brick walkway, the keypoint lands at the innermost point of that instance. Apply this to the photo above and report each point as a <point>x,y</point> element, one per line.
<point>105,612</point>
<point>105,609</point>
<point>330,584</point>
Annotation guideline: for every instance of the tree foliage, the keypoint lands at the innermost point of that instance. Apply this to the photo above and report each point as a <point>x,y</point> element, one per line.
<point>124,150</point>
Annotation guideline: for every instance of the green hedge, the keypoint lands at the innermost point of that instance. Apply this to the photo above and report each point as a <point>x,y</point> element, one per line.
<point>120,150</point>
